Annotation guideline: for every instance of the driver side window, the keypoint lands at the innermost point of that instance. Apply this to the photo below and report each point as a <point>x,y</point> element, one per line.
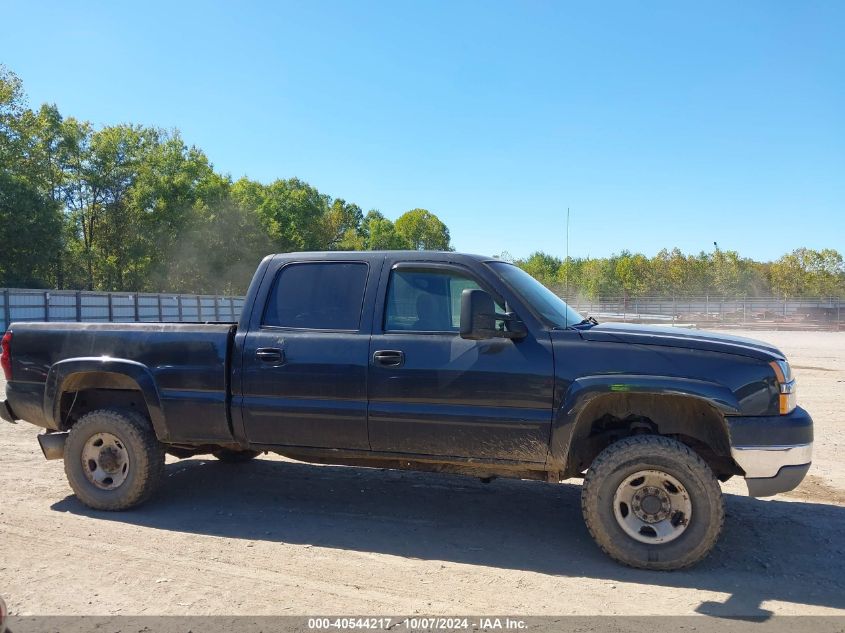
<point>426,300</point>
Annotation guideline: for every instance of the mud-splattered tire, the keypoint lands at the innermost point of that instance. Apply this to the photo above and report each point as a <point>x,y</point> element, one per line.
<point>123,478</point>
<point>235,457</point>
<point>689,497</point>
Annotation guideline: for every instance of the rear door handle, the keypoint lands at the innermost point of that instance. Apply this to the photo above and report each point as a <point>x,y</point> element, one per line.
<point>270,355</point>
<point>389,358</point>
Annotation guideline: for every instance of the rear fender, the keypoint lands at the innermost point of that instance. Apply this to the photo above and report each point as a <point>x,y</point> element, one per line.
<point>74,374</point>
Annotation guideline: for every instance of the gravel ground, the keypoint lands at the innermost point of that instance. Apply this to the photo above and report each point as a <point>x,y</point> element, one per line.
<point>280,537</point>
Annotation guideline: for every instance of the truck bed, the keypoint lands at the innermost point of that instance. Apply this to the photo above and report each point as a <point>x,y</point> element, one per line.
<point>188,365</point>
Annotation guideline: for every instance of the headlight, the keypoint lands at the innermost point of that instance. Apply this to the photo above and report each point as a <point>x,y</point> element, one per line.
<point>788,398</point>
<point>782,371</point>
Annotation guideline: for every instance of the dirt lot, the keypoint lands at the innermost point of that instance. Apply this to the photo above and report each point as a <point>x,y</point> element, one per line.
<point>279,537</point>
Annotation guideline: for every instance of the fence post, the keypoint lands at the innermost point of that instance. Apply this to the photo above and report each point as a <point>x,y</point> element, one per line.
<point>232,308</point>
<point>137,311</point>
<point>216,308</point>
<point>160,317</point>
<point>78,299</point>
<point>111,309</point>
<point>179,306</point>
<point>199,309</point>
<point>46,306</point>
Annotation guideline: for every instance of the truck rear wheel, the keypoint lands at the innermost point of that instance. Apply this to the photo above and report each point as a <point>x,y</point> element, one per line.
<point>235,457</point>
<point>651,502</point>
<point>113,460</point>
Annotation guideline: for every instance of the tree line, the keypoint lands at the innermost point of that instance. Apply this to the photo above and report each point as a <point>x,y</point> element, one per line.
<point>134,208</point>
<point>802,273</point>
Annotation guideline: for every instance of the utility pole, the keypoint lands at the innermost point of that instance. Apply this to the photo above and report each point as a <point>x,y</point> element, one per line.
<point>566,272</point>
<point>566,275</point>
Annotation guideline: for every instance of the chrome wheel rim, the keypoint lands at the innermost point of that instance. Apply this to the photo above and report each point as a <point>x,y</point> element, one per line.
<point>652,506</point>
<point>105,461</point>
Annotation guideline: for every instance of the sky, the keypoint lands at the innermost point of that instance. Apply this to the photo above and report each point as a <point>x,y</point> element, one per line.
<point>658,124</point>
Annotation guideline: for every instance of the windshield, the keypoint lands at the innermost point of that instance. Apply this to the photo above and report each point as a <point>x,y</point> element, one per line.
<point>544,301</point>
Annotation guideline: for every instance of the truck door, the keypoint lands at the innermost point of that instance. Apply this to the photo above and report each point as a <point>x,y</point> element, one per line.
<point>304,363</point>
<point>433,393</point>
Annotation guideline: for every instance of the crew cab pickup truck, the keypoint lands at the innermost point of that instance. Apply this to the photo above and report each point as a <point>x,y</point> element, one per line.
<point>425,361</point>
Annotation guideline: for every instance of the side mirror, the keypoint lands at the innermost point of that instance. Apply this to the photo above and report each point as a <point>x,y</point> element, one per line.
<point>479,317</point>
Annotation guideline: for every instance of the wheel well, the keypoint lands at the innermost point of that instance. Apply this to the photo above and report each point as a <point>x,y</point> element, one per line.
<point>690,420</point>
<point>88,391</point>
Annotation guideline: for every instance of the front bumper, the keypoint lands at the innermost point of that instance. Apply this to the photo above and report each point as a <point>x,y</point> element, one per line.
<point>774,452</point>
<point>6,411</point>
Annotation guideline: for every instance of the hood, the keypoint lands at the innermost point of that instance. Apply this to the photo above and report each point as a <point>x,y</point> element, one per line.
<point>681,337</point>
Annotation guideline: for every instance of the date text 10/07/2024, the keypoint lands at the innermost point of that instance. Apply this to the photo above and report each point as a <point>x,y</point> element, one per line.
<point>418,623</point>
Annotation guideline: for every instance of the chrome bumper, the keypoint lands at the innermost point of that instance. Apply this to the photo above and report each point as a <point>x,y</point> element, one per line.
<point>766,461</point>
<point>773,469</point>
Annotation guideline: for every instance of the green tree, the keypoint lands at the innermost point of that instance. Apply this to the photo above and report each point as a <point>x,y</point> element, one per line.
<point>100,168</point>
<point>787,276</point>
<point>808,273</point>
<point>380,234</point>
<point>339,219</point>
<point>830,274</point>
<point>725,272</point>
<point>671,272</point>
<point>174,188</point>
<point>424,231</point>
<point>30,218</point>
<point>220,244</point>
<point>570,277</point>
<point>543,267</point>
<point>598,278</point>
<point>127,207</point>
<point>29,230</point>
<point>633,272</point>
<point>292,211</point>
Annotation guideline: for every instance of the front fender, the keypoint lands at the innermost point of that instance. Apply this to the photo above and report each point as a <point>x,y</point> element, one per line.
<point>584,391</point>
<point>111,373</point>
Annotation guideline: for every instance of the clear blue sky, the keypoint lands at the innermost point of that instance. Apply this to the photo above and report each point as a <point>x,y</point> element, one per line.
<point>658,123</point>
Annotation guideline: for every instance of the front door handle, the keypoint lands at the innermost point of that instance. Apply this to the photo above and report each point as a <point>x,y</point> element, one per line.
<point>389,358</point>
<point>270,355</point>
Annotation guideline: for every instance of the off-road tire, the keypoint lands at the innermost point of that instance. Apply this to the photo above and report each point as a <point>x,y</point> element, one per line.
<point>235,457</point>
<point>643,452</point>
<point>146,459</point>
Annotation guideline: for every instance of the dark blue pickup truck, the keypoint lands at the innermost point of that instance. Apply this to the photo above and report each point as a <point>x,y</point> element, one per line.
<point>427,361</point>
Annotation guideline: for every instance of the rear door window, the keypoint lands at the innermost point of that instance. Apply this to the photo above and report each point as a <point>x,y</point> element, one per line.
<point>317,296</point>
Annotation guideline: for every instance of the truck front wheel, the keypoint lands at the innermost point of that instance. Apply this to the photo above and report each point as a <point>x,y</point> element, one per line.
<point>113,460</point>
<point>651,502</point>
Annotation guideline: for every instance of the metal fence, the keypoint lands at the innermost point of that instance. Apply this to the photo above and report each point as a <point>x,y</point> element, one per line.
<point>121,307</point>
<point>751,313</point>
<point>127,307</point>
